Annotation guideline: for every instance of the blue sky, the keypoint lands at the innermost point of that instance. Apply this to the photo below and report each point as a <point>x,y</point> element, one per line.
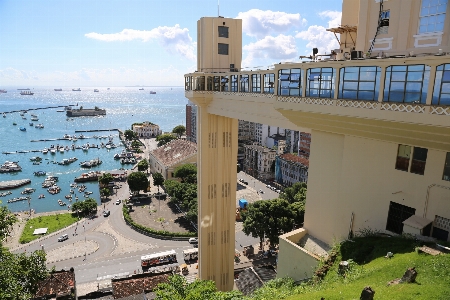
<point>60,43</point>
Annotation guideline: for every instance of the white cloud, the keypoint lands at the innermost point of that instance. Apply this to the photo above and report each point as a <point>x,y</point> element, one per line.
<point>122,76</point>
<point>173,39</point>
<point>318,37</point>
<point>260,23</point>
<point>281,47</point>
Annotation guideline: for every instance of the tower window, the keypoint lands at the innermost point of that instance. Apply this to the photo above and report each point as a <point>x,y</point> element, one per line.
<point>223,31</point>
<point>432,16</point>
<point>223,49</point>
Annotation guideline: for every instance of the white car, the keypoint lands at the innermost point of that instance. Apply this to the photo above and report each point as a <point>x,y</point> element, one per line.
<point>268,186</point>
<point>261,191</point>
<point>193,241</point>
<point>117,201</point>
<point>63,238</point>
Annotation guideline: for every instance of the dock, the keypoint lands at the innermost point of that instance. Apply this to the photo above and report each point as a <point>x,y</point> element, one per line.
<point>97,130</point>
<point>37,108</point>
<point>12,184</point>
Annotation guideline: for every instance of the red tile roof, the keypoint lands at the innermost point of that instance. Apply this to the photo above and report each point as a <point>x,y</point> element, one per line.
<point>295,158</point>
<point>174,152</point>
<point>137,284</point>
<point>58,283</point>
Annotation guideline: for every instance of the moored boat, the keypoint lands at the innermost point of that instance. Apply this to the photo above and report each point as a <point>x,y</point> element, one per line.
<point>27,93</point>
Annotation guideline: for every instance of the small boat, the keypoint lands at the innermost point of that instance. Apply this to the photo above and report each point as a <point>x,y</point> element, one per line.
<point>3,91</point>
<point>76,90</point>
<point>141,89</point>
<point>44,151</point>
<point>22,129</point>
<point>96,90</point>
<point>41,196</point>
<point>152,92</point>
<point>61,149</point>
<point>52,151</point>
<point>40,173</point>
<point>31,124</point>
<point>4,115</point>
<point>34,118</point>
<point>27,93</point>
<point>58,90</point>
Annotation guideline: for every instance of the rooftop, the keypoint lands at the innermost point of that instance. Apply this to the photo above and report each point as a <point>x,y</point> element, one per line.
<point>58,284</point>
<point>137,284</point>
<point>174,152</point>
<point>295,158</point>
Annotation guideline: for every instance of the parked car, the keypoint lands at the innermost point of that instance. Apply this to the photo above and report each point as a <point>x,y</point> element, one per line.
<point>268,186</point>
<point>278,191</point>
<point>193,241</point>
<point>261,191</point>
<point>106,213</point>
<point>63,238</point>
<point>117,201</point>
<point>245,182</point>
<point>273,188</point>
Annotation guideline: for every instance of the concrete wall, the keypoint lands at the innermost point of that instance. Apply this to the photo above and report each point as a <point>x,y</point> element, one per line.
<point>356,175</point>
<point>294,261</point>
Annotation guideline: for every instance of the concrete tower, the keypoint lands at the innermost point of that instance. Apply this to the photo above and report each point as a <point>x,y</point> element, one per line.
<point>219,49</point>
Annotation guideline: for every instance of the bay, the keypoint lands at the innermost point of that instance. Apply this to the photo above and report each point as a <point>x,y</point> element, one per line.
<point>124,106</point>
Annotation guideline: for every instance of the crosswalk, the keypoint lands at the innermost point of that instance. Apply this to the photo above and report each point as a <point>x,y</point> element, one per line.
<point>191,277</point>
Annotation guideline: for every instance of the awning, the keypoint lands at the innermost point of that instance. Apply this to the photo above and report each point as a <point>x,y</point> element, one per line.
<point>417,222</point>
<point>344,29</point>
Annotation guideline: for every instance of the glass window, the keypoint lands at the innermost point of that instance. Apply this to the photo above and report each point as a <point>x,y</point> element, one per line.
<point>244,83</point>
<point>188,83</point>
<point>223,49</point>
<point>432,16</point>
<point>418,161</point>
<point>223,31</point>
<point>406,84</point>
<point>446,175</point>
<point>441,92</point>
<point>320,82</point>
<point>269,82</point>
<point>216,83</point>
<point>234,83</point>
<point>289,82</point>
<point>256,83</point>
<point>359,83</point>
<point>224,83</point>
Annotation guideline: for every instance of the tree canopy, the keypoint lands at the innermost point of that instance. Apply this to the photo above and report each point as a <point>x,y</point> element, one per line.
<point>20,273</point>
<point>105,192</point>
<point>137,181</point>
<point>143,165</point>
<point>86,207</point>
<point>106,178</point>
<point>158,180</point>
<point>179,289</point>
<point>130,134</point>
<point>179,130</point>
<point>164,139</point>
<point>268,218</point>
<point>185,195</point>
<point>187,173</point>
<point>7,220</point>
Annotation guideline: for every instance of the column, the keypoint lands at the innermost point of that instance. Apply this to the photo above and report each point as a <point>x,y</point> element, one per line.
<point>217,155</point>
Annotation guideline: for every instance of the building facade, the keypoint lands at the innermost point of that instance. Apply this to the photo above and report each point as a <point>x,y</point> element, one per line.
<point>146,130</point>
<point>379,111</point>
<point>290,168</point>
<point>191,122</point>
<point>305,144</point>
<point>258,161</point>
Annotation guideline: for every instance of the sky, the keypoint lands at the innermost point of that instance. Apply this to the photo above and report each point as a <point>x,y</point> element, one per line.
<point>108,43</point>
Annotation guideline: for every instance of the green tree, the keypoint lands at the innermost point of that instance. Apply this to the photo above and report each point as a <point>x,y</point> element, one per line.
<point>130,134</point>
<point>106,178</point>
<point>7,220</point>
<point>20,273</point>
<point>187,173</point>
<point>158,180</point>
<point>137,181</point>
<point>143,165</point>
<point>255,220</point>
<point>105,192</point>
<point>85,207</point>
<point>298,210</point>
<point>295,193</point>
<point>164,139</point>
<point>135,144</point>
<point>179,289</point>
<point>179,130</point>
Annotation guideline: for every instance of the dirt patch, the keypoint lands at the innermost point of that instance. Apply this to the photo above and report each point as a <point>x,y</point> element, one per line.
<point>159,215</point>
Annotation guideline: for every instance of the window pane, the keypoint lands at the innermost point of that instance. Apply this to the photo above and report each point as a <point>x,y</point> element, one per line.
<point>350,76</point>
<point>445,100</point>
<point>413,86</point>
<point>284,77</point>
<point>403,156</point>
<point>366,86</point>
<point>419,160</point>
<point>397,86</point>
<point>398,76</point>
<point>415,76</point>
<point>396,96</point>
<point>349,94</point>
<point>366,95</point>
<point>350,85</point>
<point>412,97</point>
<point>398,68</point>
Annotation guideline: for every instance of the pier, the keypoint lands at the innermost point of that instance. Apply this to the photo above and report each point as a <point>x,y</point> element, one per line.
<point>4,185</point>
<point>97,130</point>
<point>37,108</point>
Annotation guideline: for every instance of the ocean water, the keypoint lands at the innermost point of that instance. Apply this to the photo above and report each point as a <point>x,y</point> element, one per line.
<point>124,106</point>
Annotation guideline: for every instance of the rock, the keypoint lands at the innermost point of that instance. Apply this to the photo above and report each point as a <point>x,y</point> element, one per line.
<point>409,276</point>
<point>367,293</point>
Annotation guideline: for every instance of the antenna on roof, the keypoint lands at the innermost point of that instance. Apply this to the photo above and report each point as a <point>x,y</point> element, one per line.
<point>218,8</point>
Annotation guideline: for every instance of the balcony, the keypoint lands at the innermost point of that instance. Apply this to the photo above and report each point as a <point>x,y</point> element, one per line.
<point>399,95</point>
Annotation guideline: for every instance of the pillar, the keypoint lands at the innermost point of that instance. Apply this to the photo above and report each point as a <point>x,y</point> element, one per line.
<point>217,180</point>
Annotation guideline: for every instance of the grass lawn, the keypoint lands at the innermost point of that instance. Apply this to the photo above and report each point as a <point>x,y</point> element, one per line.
<point>370,268</point>
<point>53,223</point>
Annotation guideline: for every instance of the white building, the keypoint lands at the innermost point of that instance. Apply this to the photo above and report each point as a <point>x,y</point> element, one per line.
<point>290,168</point>
<point>146,129</point>
<point>258,161</point>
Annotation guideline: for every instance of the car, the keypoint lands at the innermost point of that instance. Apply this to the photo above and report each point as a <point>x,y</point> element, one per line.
<point>268,186</point>
<point>193,241</point>
<point>278,191</point>
<point>245,182</point>
<point>240,179</point>
<point>261,191</point>
<point>106,213</point>
<point>273,188</point>
<point>117,201</point>
<point>63,238</point>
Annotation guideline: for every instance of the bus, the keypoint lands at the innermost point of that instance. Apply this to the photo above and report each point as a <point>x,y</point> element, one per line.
<point>159,258</point>
<point>190,254</point>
